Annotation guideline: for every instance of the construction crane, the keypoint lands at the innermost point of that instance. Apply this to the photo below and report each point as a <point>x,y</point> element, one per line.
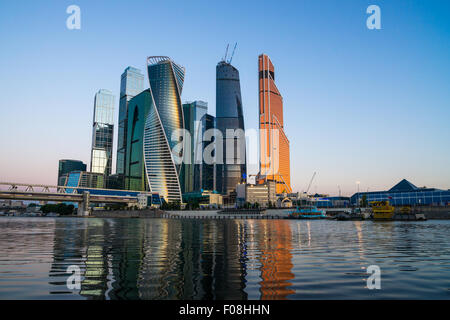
<point>231,58</point>
<point>310,182</point>
<point>226,53</point>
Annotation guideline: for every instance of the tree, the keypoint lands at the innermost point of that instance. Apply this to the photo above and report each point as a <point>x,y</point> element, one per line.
<point>364,201</point>
<point>61,208</point>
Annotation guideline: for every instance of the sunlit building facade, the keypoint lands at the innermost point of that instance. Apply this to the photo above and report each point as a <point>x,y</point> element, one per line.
<point>131,84</point>
<point>274,145</point>
<point>164,119</point>
<point>231,169</point>
<point>102,132</point>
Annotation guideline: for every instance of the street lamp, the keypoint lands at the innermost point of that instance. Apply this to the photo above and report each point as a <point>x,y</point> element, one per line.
<point>359,204</point>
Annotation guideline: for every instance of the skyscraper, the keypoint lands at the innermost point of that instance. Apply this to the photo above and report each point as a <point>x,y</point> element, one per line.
<point>164,119</point>
<point>274,145</point>
<point>102,132</point>
<point>131,84</point>
<point>138,109</point>
<point>66,166</point>
<point>206,174</point>
<point>197,175</point>
<point>193,113</point>
<point>231,169</point>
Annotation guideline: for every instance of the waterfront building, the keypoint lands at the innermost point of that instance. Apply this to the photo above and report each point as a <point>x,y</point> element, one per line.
<point>196,174</point>
<point>231,168</point>
<point>131,84</point>
<point>405,193</point>
<point>204,198</point>
<point>66,166</point>
<point>102,132</point>
<point>263,193</point>
<point>330,202</point>
<point>274,145</point>
<point>163,121</point>
<point>85,179</point>
<point>138,110</point>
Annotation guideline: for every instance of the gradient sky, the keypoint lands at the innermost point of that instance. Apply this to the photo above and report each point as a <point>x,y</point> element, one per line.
<point>359,105</point>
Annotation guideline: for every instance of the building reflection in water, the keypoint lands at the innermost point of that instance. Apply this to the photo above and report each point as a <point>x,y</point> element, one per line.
<point>173,259</point>
<point>275,242</point>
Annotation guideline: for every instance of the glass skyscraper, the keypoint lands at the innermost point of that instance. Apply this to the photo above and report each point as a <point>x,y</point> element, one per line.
<point>102,132</point>
<point>164,119</point>
<point>138,109</point>
<point>66,166</point>
<point>131,84</point>
<point>193,113</point>
<point>232,169</point>
<point>274,144</point>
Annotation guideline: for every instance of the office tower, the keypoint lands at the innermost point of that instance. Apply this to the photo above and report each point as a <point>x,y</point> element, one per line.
<point>138,109</point>
<point>102,132</point>
<point>66,166</point>
<point>163,121</point>
<point>85,179</point>
<point>193,112</point>
<point>274,145</point>
<point>206,174</point>
<point>231,168</point>
<point>131,84</point>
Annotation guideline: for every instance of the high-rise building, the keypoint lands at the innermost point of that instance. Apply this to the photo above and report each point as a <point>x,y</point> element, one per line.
<point>196,122</point>
<point>131,84</point>
<point>102,132</point>
<point>207,174</point>
<point>138,109</point>
<point>231,169</point>
<point>85,179</point>
<point>66,166</point>
<point>163,121</point>
<point>274,145</point>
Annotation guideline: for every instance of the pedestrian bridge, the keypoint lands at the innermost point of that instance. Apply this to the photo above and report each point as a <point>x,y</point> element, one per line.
<point>83,196</point>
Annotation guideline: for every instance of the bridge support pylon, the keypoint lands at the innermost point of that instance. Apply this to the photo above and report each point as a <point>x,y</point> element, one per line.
<point>83,207</point>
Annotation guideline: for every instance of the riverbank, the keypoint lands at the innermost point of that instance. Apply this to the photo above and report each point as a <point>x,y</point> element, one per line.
<point>432,213</point>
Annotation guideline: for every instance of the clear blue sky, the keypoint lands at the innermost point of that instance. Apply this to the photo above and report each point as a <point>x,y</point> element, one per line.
<point>359,105</point>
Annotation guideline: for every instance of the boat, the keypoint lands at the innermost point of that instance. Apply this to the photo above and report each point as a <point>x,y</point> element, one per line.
<point>382,210</point>
<point>307,212</point>
<point>351,215</point>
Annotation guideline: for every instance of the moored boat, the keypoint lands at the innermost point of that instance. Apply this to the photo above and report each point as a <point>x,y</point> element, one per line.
<point>307,212</point>
<point>382,210</point>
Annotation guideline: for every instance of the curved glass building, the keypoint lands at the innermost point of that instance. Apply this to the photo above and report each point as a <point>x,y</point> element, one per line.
<point>231,169</point>
<point>163,119</point>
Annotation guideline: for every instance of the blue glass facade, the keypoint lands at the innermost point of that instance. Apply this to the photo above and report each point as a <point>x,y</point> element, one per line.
<point>193,112</point>
<point>229,115</point>
<point>406,194</point>
<point>102,132</point>
<point>66,166</point>
<point>131,84</point>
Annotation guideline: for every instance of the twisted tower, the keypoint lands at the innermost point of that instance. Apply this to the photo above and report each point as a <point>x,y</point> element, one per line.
<point>164,118</point>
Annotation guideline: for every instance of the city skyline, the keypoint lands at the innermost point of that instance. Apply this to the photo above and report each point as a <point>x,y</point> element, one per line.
<point>375,115</point>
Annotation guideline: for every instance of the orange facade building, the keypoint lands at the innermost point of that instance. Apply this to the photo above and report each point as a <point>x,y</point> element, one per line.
<point>274,145</point>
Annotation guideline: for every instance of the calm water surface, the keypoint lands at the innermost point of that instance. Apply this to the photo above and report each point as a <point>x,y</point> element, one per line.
<point>227,259</point>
